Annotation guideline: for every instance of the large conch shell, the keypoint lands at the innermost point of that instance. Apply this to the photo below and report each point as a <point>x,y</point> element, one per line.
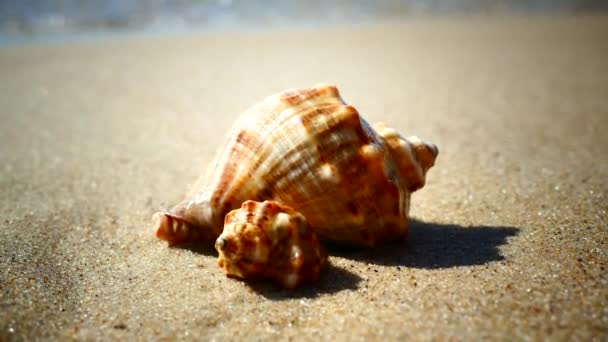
<point>308,150</point>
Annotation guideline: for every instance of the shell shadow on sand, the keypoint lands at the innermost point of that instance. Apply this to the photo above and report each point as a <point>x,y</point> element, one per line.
<point>429,246</point>
<point>436,246</point>
<point>334,279</point>
<point>206,249</point>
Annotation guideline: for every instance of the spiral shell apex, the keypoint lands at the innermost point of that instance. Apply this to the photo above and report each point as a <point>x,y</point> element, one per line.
<point>270,240</point>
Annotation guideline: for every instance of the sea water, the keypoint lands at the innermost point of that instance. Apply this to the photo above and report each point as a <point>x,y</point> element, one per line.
<point>35,21</point>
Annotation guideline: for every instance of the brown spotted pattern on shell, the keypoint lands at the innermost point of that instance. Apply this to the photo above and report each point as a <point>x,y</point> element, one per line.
<point>308,150</point>
<point>270,240</point>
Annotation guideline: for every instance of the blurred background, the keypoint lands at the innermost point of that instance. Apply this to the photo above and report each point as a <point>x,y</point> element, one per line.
<point>23,21</point>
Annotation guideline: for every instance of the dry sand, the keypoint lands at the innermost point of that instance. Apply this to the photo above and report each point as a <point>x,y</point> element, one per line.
<point>511,238</point>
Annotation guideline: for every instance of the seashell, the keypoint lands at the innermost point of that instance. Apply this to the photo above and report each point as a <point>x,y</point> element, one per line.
<point>270,240</point>
<point>308,150</point>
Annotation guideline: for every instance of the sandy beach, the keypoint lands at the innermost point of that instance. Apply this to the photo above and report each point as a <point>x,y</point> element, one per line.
<point>510,234</point>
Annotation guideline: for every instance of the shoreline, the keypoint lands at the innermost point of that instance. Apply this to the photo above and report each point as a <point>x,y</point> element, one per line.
<point>92,35</point>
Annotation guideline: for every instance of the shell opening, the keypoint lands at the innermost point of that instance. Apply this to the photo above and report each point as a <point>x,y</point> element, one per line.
<point>172,229</point>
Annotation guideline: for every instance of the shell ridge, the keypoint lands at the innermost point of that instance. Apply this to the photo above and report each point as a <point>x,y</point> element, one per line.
<point>300,159</point>
<point>262,152</point>
<point>248,122</point>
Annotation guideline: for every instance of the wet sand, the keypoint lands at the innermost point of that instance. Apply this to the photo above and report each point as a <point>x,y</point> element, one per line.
<point>510,237</point>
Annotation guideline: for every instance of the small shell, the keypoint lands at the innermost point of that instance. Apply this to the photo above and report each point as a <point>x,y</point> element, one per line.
<point>270,240</point>
<point>309,150</point>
